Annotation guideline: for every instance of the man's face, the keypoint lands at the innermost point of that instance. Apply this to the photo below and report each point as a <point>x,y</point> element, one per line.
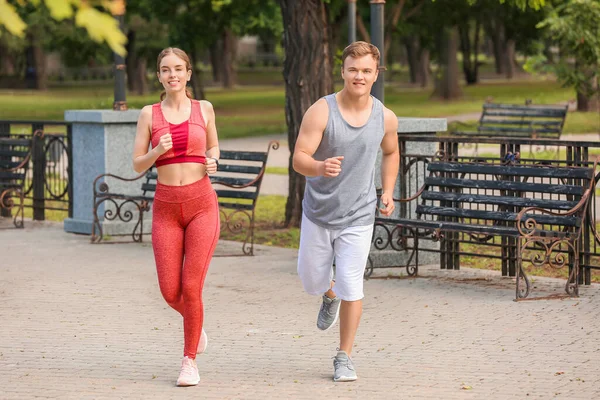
<point>359,74</point>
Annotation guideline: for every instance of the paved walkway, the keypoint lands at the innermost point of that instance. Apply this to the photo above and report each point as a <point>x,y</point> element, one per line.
<point>82,321</point>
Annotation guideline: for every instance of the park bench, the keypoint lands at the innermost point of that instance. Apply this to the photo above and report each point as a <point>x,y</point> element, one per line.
<point>237,184</point>
<point>15,154</point>
<point>513,120</point>
<point>540,208</point>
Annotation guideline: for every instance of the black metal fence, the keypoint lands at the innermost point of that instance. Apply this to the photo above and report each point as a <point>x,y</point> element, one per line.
<point>413,169</point>
<point>49,180</point>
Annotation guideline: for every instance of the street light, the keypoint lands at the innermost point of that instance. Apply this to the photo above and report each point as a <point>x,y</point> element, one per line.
<point>120,103</point>
<point>351,21</point>
<point>377,38</point>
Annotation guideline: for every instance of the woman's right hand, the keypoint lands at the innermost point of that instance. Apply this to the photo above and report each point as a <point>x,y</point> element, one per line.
<point>165,144</point>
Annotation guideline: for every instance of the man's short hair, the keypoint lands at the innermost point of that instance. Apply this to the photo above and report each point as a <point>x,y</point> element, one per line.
<point>360,49</point>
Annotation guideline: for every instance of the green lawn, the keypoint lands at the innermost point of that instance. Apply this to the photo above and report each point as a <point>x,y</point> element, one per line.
<point>259,110</point>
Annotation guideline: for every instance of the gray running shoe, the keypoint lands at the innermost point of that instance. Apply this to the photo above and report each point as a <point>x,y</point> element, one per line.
<point>343,369</point>
<point>329,312</point>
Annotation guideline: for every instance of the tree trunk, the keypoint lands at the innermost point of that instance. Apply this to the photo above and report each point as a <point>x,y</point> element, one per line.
<point>35,74</point>
<point>131,62</point>
<point>587,94</point>
<point>7,65</point>
<point>196,80</point>
<point>362,29</point>
<point>216,61</point>
<point>509,58</point>
<point>496,33</point>
<point>469,52</point>
<point>446,84</point>
<point>412,57</point>
<point>140,77</point>
<point>229,56</point>
<point>308,76</point>
<point>424,68</point>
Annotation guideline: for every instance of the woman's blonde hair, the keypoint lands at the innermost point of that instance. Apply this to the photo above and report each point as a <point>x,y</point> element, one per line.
<point>181,54</point>
<point>360,49</point>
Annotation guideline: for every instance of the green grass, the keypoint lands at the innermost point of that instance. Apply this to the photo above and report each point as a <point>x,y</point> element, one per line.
<point>277,170</point>
<point>484,262</point>
<point>240,112</point>
<point>269,229</point>
<point>260,110</point>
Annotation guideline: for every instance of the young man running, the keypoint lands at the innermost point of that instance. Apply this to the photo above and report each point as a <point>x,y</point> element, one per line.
<point>337,150</point>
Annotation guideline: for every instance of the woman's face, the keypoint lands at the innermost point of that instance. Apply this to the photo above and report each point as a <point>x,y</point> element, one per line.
<point>173,73</point>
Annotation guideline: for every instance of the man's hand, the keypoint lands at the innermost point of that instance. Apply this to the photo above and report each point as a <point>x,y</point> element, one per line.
<point>331,167</point>
<point>388,204</point>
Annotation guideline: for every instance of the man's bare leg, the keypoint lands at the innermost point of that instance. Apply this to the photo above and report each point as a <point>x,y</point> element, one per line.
<point>350,314</point>
<point>330,292</point>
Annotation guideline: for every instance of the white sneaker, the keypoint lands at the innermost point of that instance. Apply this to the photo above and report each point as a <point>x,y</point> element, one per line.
<point>189,373</point>
<point>202,343</point>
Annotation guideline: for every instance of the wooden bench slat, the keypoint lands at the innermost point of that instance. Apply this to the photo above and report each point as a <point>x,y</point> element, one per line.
<point>459,227</point>
<point>15,142</point>
<point>505,185</point>
<point>507,134</point>
<point>232,181</point>
<point>520,202</point>
<point>241,169</point>
<point>236,194</point>
<point>537,113</point>
<point>8,164</point>
<point>532,129</point>
<point>13,153</point>
<point>491,121</point>
<point>512,170</point>
<point>148,187</point>
<point>496,215</point>
<point>236,206</point>
<point>10,176</point>
<point>532,106</point>
<point>243,155</point>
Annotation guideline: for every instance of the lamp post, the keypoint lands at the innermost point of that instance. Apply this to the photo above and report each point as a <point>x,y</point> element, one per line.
<point>120,102</point>
<point>351,21</point>
<point>377,38</point>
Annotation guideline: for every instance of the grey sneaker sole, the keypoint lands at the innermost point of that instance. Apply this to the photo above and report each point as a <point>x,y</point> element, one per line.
<point>337,315</point>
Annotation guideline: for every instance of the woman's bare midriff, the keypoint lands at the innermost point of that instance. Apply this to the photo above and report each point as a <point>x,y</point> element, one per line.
<point>181,174</point>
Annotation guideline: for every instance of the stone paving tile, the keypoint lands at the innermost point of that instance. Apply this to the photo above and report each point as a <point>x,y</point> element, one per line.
<point>81,321</point>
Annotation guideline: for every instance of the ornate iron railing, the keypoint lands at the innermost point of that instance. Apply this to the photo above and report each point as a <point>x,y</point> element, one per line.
<point>49,184</point>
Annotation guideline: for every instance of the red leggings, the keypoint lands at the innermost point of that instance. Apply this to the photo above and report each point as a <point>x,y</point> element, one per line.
<point>185,231</point>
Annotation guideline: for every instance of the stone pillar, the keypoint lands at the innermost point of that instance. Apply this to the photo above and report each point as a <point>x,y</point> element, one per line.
<point>102,143</point>
<point>418,127</point>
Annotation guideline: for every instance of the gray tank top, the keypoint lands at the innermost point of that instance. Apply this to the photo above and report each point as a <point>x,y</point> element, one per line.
<point>349,199</point>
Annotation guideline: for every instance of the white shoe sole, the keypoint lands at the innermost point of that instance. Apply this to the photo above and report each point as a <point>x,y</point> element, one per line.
<point>345,379</point>
<point>203,334</point>
<point>184,384</point>
<point>337,314</point>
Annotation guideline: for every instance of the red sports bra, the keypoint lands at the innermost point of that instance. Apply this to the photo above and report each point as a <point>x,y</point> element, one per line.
<point>189,137</point>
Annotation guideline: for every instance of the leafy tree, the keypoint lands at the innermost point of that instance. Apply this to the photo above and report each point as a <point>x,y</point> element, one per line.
<point>100,25</point>
<point>573,25</point>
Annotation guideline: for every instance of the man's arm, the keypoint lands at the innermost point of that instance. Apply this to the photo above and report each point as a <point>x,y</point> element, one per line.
<point>310,135</point>
<point>390,161</point>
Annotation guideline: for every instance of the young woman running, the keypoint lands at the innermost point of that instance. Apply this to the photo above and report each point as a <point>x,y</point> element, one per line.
<point>185,222</point>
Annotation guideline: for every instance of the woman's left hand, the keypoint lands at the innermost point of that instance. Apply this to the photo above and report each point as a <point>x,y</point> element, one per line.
<point>211,165</point>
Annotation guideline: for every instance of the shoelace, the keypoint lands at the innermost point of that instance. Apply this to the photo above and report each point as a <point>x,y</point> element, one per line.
<point>188,367</point>
<point>328,307</point>
<point>337,363</point>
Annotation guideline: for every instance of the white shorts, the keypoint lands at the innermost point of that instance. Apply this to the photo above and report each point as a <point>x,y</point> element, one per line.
<point>319,246</point>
